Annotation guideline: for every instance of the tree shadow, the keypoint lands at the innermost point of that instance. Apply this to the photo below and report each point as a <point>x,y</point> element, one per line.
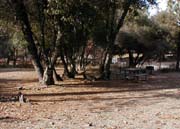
<point>18,80</point>
<point>100,92</point>
<point>171,95</point>
<point>103,84</point>
<point>82,96</point>
<point>103,87</point>
<point>8,119</point>
<point>93,98</point>
<point>13,85</point>
<point>15,70</point>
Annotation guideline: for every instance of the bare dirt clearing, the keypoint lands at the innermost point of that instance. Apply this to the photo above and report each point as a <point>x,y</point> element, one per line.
<point>75,104</point>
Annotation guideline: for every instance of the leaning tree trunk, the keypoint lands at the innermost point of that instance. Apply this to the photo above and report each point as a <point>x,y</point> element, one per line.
<point>66,70</point>
<point>22,16</point>
<point>114,32</point>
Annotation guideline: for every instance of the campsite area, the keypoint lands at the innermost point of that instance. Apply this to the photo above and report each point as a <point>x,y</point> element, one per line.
<point>79,104</point>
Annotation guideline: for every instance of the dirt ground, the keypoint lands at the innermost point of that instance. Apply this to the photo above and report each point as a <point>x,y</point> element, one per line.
<point>75,104</point>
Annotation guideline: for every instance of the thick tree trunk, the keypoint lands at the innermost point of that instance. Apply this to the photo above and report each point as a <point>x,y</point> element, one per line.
<point>22,16</point>
<point>39,69</point>
<point>48,76</point>
<point>54,59</point>
<point>57,77</point>
<point>41,4</point>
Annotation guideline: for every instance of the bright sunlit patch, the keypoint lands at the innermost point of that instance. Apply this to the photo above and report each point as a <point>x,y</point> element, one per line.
<point>162,5</point>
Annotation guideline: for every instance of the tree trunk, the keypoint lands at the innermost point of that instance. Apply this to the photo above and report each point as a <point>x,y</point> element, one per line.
<point>113,33</point>
<point>178,57</point>
<point>108,66</point>
<point>22,16</point>
<point>48,76</point>
<point>8,60</point>
<point>54,59</point>
<point>57,77</point>
<point>131,59</point>
<point>73,66</point>
<point>14,62</point>
<point>102,65</point>
<point>66,70</point>
<point>82,57</point>
<point>14,56</point>
<point>39,69</point>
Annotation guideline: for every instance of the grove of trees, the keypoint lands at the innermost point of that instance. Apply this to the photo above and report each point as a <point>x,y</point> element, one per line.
<point>71,30</point>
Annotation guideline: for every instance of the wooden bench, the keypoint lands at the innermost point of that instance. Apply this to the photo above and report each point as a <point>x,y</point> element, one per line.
<point>141,76</point>
<point>117,75</point>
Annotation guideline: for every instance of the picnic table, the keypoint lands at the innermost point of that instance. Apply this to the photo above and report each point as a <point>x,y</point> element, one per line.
<point>134,73</point>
